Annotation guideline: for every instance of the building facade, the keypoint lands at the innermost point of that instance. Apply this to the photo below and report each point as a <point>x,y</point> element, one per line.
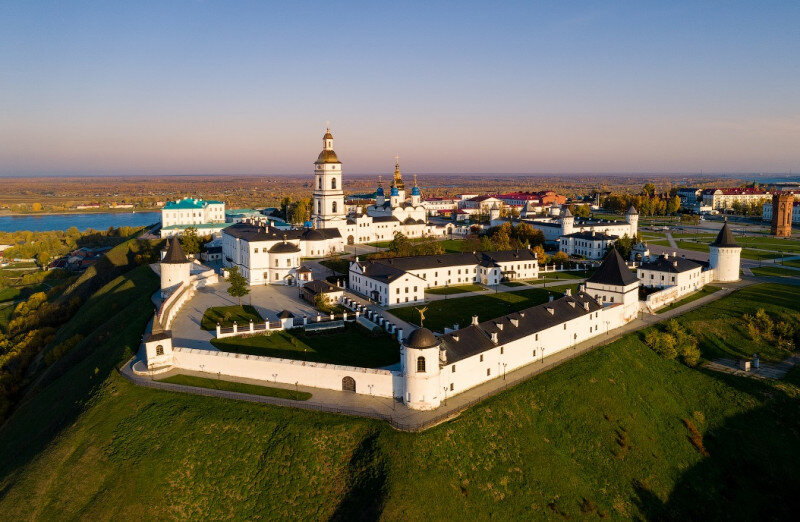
<point>208,217</point>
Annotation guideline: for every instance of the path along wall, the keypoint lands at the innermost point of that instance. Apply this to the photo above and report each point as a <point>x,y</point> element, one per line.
<point>368,381</point>
<point>671,294</point>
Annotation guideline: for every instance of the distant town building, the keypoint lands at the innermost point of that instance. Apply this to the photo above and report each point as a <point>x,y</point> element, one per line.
<point>208,217</point>
<point>722,199</point>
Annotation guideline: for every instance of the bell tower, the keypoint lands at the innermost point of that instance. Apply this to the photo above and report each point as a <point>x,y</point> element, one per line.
<point>328,211</point>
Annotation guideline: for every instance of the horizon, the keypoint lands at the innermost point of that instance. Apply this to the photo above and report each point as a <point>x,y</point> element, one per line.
<point>191,88</point>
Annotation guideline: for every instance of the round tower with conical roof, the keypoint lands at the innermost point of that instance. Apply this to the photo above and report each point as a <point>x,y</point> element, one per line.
<point>632,217</point>
<point>725,256</point>
<point>419,362</point>
<point>175,267</point>
<point>567,222</point>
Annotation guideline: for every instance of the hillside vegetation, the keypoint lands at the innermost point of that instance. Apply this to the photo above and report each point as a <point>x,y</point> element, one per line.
<point>619,432</point>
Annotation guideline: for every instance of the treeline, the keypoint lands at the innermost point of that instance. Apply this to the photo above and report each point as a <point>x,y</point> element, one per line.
<point>33,323</point>
<point>48,245</point>
<point>647,202</point>
<point>297,211</point>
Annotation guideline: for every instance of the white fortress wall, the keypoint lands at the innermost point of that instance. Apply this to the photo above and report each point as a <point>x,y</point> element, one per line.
<point>381,383</point>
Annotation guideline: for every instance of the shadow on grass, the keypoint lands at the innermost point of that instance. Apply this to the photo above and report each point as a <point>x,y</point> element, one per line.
<point>751,470</point>
<point>368,472</point>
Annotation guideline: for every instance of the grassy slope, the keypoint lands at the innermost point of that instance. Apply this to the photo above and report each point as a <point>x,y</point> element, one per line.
<point>706,290</point>
<point>776,271</point>
<point>604,431</point>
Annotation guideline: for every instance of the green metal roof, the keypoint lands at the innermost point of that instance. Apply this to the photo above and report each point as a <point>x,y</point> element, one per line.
<point>189,203</point>
<point>198,227</point>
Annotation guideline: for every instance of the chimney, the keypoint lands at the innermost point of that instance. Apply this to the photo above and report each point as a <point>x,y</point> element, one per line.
<point>675,264</point>
<point>586,306</point>
<point>551,310</point>
<point>442,356</point>
<point>494,337</point>
<point>499,326</point>
<point>568,291</point>
<point>474,319</point>
<point>455,336</point>
<point>514,322</point>
<point>521,314</point>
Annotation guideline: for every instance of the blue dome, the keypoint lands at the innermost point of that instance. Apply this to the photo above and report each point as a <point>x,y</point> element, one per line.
<point>395,192</point>
<point>379,192</point>
<point>415,191</point>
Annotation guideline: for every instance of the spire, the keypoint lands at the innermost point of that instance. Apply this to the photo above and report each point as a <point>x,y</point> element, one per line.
<point>174,253</point>
<point>725,237</point>
<point>613,271</point>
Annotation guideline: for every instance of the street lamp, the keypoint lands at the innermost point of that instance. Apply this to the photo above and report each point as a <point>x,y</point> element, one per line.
<point>504,371</point>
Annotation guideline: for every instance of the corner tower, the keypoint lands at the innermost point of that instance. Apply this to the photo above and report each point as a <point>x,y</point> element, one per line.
<point>419,361</point>
<point>724,256</point>
<point>567,222</point>
<point>175,268</point>
<point>328,210</point>
<point>632,217</point>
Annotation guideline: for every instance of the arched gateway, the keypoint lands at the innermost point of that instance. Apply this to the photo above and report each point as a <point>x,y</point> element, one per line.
<point>349,384</point>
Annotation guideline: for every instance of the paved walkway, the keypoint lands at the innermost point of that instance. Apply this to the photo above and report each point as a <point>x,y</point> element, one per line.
<point>411,420</point>
<point>766,370</point>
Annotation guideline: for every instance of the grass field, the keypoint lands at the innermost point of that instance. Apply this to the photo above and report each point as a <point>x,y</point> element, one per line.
<point>617,433</point>
<point>789,246</point>
<point>573,274</point>
<point>458,289</point>
<point>226,315</point>
<point>461,309</point>
<point>252,389</point>
<point>706,290</point>
<point>703,247</point>
<point>339,265</point>
<point>350,346</point>
<point>9,293</point>
<point>775,271</point>
<point>791,262</point>
<point>513,284</point>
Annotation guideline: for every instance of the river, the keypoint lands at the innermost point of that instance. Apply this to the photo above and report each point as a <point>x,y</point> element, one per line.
<point>97,221</point>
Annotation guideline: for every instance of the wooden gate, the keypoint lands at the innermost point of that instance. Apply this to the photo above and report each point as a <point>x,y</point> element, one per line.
<point>349,384</point>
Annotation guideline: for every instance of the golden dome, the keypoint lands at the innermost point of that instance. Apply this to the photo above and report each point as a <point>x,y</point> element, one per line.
<point>328,135</point>
<point>327,156</point>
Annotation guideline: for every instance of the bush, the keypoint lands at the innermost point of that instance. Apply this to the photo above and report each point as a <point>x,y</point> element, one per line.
<point>674,342</point>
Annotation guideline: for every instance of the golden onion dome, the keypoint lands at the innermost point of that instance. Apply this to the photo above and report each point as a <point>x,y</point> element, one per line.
<point>327,156</point>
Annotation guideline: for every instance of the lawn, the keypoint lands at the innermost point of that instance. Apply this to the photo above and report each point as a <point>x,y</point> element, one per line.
<point>238,387</point>
<point>458,289</point>
<point>339,265</point>
<point>573,274</point>
<point>706,290</point>
<point>770,243</point>
<point>775,271</point>
<point>9,293</point>
<point>226,315</point>
<point>461,309</point>
<point>791,262</point>
<point>703,247</point>
<point>350,346</point>
<point>617,433</point>
<point>513,284</point>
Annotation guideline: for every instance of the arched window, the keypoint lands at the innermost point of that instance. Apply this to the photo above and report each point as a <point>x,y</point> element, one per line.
<point>420,364</point>
<point>319,207</point>
<point>159,350</point>
<point>333,183</point>
<point>320,182</point>
<point>333,207</point>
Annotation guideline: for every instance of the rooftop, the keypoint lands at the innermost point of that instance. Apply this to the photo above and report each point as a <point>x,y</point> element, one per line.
<point>190,203</point>
<point>613,271</point>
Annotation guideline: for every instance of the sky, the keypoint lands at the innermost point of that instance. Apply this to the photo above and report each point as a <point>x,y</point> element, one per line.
<point>219,87</point>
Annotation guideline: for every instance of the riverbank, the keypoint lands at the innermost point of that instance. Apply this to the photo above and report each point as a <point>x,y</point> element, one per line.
<point>83,221</point>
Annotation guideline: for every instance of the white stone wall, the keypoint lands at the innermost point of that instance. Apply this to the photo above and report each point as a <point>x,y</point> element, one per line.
<point>725,262</point>
<point>686,282</point>
<point>381,383</point>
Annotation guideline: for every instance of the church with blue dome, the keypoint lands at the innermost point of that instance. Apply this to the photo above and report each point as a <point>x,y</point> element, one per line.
<point>397,205</point>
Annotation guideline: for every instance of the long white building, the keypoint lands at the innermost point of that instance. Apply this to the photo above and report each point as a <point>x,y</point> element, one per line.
<point>208,217</point>
<point>397,280</point>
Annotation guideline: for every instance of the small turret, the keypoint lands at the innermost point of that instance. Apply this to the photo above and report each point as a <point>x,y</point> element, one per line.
<point>420,358</point>
<point>567,222</point>
<point>632,217</point>
<point>724,256</point>
<point>175,267</point>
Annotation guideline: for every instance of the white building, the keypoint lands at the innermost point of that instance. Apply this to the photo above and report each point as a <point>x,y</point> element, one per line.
<point>267,255</point>
<point>397,280</point>
<point>591,245</point>
<point>721,199</point>
<point>666,271</point>
<point>387,216</point>
<point>208,217</point>
<point>565,224</point>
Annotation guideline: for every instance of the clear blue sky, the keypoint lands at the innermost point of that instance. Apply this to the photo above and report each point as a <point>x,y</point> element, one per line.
<point>246,87</point>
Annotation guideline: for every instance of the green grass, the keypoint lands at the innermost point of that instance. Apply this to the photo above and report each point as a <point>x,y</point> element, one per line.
<point>460,310</point>
<point>706,290</point>
<point>5,316</point>
<point>770,243</point>
<point>552,276</point>
<point>238,387</point>
<point>791,262</point>
<point>603,435</point>
<point>513,284</point>
<point>775,271</point>
<point>339,265</point>
<point>703,247</point>
<point>459,289</point>
<point>9,293</point>
<point>350,346</point>
<point>226,315</point>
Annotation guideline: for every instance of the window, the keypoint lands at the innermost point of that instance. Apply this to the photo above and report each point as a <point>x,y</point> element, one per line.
<point>534,353</point>
<point>320,182</point>
<point>333,183</point>
<point>537,337</point>
<point>420,364</point>
<point>488,371</point>
<point>451,386</point>
<point>159,350</point>
<point>333,206</point>
<point>565,326</point>
<point>453,369</point>
<point>502,350</point>
<point>481,357</point>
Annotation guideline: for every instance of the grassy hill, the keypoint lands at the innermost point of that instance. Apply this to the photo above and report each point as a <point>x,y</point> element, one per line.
<point>618,432</point>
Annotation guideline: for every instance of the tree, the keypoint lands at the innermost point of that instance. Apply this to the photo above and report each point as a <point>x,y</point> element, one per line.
<point>540,255</point>
<point>649,189</point>
<point>238,284</point>
<point>673,205</point>
<point>560,258</point>
<point>624,245</point>
<point>190,241</point>
<point>581,211</point>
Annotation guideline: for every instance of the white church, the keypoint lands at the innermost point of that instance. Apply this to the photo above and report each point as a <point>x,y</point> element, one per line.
<point>266,254</point>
